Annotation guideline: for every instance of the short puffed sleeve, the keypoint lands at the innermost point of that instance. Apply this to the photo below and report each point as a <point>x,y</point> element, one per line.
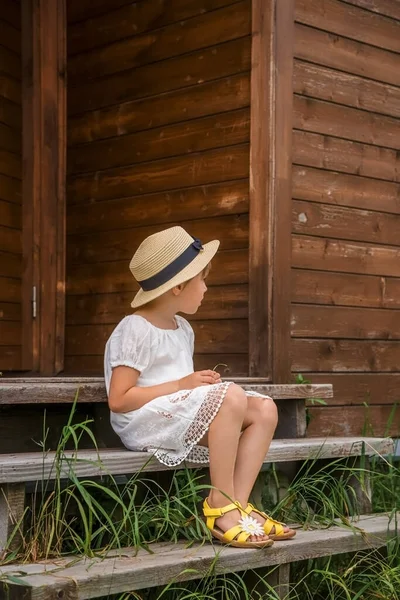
<point>130,344</point>
<point>189,333</point>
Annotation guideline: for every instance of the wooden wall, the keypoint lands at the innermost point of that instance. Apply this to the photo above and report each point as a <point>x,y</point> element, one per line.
<point>158,134</point>
<point>10,185</point>
<point>346,210</point>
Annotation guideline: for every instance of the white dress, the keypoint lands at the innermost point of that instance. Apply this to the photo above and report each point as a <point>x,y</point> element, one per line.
<point>169,426</point>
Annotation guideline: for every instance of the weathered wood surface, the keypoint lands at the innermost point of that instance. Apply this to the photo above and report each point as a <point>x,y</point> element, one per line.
<point>390,8</point>
<point>351,389</point>
<point>12,506</point>
<point>33,466</point>
<point>350,420</point>
<point>127,571</point>
<point>91,389</point>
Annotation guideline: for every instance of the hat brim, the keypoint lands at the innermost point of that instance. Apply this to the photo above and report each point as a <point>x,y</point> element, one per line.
<point>191,270</point>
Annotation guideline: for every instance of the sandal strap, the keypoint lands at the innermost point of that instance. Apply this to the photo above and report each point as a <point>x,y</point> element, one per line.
<point>215,513</point>
<point>269,522</point>
<point>235,532</point>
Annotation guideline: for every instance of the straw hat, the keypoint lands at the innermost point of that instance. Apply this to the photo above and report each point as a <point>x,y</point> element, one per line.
<point>166,259</point>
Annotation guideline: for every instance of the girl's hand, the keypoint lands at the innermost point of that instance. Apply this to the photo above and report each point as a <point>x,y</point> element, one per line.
<point>199,378</point>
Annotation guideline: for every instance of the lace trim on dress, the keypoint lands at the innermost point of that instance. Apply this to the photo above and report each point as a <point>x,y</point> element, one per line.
<point>197,429</point>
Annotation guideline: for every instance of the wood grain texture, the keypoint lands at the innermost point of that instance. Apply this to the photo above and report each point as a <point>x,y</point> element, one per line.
<point>125,570</point>
<point>332,355</point>
<point>338,222</point>
<point>342,121</point>
<point>55,390</point>
<point>350,21</point>
<point>12,507</point>
<point>10,12</point>
<point>10,89</point>
<point>201,31</point>
<point>81,10</point>
<point>214,200</point>
<point>328,49</point>
<point>343,88</point>
<point>10,113</point>
<point>133,19</point>
<point>10,36</point>
<point>32,466</point>
<point>331,187</point>
<point>345,289</point>
<point>348,257</point>
<point>361,388</point>
<point>312,321</point>
<point>354,420</point>
<point>10,189</point>
<point>390,8</point>
<point>346,156</point>
<point>190,69</point>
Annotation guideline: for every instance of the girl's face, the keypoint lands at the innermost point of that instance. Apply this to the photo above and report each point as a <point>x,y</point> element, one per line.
<point>192,294</point>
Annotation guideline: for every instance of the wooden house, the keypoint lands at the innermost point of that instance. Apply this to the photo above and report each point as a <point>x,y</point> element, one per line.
<point>272,125</point>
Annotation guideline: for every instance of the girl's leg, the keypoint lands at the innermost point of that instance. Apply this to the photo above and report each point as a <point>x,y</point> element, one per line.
<point>259,425</point>
<point>222,440</point>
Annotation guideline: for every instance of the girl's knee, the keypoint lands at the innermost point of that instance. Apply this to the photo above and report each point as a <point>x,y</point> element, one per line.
<point>268,411</point>
<point>236,400</point>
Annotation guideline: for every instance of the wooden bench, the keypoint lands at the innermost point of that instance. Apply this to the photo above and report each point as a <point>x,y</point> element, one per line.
<point>125,572</point>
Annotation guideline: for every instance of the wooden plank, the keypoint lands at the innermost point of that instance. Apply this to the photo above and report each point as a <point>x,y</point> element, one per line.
<point>10,333</point>
<point>345,355</point>
<point>311,218</point>
<point>10,140</point>
<point>9,311</point>
<point>44,156</point>
<point>33,466</point>
<point>10,37</point>
<point>10,215</point>
<point>216,131</point>
<point>10,265</point>
<point>203,99</point>
<point>215,200</point>
<point>232,231</point>
<point>229,267</point>
<point>210,337</point>
<point>10,89</point>
<point>134,19</point>
<point>342,121</point>
<point>10,63</point>
<point>344,289</point>
<point>10,358</point>
<point>330,187</point>
<point>10,113</point>
<point>347,257</point>
<point>10,240</point>
<point>10,164</point>
<point>126,569</point>
<point>346,156</point>
<point>330,50</point>
<point>56,390</point>
<point>79,10</point>
<point>221,164</point>
<point>390,8</point>
<point>281,253</point>
<point>10,12</point>
<point>351,389</point>
<point>353,420</point>
<point>332,85</point>
<point>220,302</point>
<point>10,189</point>
<point>12,507</point>
<point>350,21</point>
<point>202,31</point>
<point>312,321</point>
<point>204,65</point>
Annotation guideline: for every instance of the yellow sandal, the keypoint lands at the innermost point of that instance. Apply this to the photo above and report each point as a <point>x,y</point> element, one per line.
<point>280,533</point>
<point>238,535</point>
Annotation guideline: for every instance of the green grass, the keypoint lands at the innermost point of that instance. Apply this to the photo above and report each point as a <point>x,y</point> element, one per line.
<point>88,517</point>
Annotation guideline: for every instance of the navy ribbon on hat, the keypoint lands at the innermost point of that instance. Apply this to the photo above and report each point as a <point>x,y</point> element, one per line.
<point>175,267</point>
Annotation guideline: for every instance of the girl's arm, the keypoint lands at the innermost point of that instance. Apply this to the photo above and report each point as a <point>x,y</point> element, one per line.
<point>125,395</point>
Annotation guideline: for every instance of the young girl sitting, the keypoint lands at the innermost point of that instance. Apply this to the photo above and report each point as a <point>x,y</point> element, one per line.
<point>160,405</point>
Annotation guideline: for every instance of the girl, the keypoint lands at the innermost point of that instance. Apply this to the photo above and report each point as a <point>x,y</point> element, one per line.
<point>160,405</point>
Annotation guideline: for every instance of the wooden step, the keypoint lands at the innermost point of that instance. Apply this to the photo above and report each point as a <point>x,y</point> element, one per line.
<point>53,390</point>
<point>33,466</point>
<point>124,570</point>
